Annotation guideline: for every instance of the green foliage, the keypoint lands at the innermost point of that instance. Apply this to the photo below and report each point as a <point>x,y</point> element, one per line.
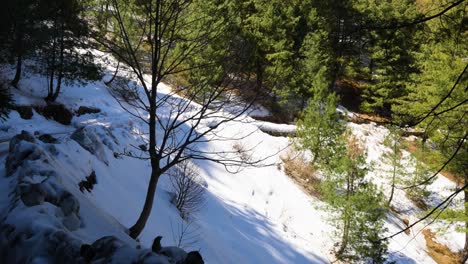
<point>320,129</point>
<point>397,172</point>
<point>356,202</point>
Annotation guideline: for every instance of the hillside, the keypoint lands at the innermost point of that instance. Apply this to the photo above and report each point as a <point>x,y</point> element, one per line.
<point>257,215</point>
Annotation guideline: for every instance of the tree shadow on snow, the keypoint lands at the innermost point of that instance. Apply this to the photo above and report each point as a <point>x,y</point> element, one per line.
<point>245,236</point>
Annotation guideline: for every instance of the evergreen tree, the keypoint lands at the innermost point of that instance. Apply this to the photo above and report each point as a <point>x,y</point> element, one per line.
<point>62,50</point>
<point>393,158</point>
<point>320,128</point>
<point>357,202</point>
<point>437,96</point>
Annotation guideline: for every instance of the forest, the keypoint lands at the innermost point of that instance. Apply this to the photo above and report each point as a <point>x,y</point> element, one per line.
<point>399,64</point>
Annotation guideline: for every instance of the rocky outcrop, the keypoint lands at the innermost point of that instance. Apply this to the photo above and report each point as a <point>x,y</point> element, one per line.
<point>56,112</point>
<point>42,216</point>
<point>25,112</point>
<point>83,110</point>
<point>94,140</point>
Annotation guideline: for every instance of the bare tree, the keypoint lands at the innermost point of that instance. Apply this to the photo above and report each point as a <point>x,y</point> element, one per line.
<point>166,33</point>
<point>188,188</point>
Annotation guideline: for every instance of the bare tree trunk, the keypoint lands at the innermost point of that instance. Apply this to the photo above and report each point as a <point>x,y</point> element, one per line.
<point>115,74</point>
<point>19,62</point>
<point>52,73</point>
<point>259,77</point>
<point>19,54</point>
<point>347,217</point>
<point>138,227</point>
<point>465,248</point>
<point>60,68</point>
<point>344,238</point>
<point>392,191</point>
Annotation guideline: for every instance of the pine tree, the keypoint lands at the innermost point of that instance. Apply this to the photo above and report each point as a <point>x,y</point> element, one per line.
<point>62,39</point>
<point>357,203</point>
<point>439,89</point>
<point>320,128</point>
<point>396,172</point>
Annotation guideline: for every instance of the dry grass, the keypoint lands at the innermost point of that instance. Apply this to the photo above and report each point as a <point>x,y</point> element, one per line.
<point>438,252</point>
<point>304,174</point>
<point>367,118</point>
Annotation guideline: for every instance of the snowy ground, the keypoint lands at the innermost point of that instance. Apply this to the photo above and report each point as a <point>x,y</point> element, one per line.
<point>258,215</point>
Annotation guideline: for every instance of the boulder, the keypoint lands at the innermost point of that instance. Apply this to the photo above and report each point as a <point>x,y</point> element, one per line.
<point>25,112</point>
<point>69,204</point>
<point>83,110</point>
<point>193,257</point>
<point>174,254</point>
<point>72,222</point>
<point>32,194</point>
<point>46,138</point>
<point>57,112</point>
<point>89,140</point>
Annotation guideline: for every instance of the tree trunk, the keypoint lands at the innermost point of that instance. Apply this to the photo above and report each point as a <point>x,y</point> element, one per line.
<point>465,249</point>
<point>259,77</point>
<point>19,63</point>
<point>138,227</point>
<point>344,238</point>
<point>115,74</point>
<point>392,191</point>
<point>60,67</point>
<point>19,53</point>
<point>52,73</point>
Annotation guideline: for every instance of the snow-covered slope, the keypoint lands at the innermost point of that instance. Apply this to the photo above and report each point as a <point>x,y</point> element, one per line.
<point>258,215</point>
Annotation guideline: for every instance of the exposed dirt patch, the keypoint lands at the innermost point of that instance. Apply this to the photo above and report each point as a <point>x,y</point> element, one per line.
<point>297,167</point>
<point>440,253</point>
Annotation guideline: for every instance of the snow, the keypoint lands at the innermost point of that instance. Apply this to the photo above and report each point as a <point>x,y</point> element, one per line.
<point>258,215</point>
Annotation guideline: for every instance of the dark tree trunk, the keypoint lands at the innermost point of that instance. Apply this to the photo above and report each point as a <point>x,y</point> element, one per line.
<point>19,55</point>
<point>138,227</point>
<point>259,77</point>
<point>465,249</point>
<point>344,238</point>
<point>16,79</point>
<point>115,74</point>
<point>51,63</point>
<point>60,66</point>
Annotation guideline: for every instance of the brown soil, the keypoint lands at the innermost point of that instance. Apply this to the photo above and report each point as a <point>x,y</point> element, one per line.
<point>438,252</point>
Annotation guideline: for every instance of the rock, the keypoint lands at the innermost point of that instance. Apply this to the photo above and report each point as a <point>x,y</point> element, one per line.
<point>106,246</point>
<point>193,257</point>
<point>62,248</point>
<point>82,110</point>
<point>87,252</point>
<point>20,149</point>
<point>24,111</point>
<point>175,254</point>
<point>57,112</point>
<point>71,222</point>
<point>32,194</point>
<point>156,244</point>
<point>89,140</point>
<point>69,204</point>
<point>23,136</point>
<point>46,138</point>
